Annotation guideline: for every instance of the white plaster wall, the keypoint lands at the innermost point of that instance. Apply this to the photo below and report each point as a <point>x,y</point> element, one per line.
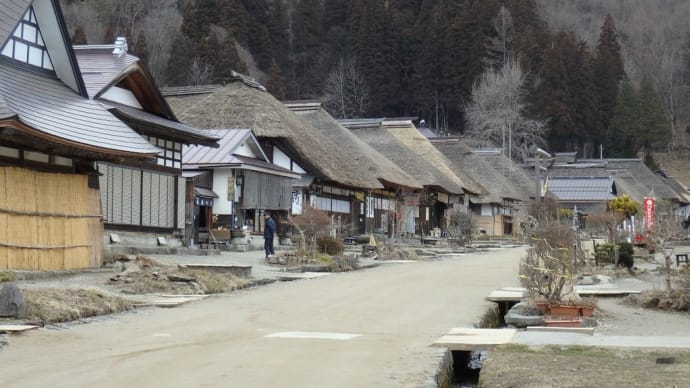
<point>222,205</point>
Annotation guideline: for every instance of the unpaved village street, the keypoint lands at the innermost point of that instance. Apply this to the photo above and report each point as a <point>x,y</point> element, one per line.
<point>369,328</point>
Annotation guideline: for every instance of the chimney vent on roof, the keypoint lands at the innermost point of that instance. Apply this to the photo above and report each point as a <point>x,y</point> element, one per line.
<point>120,46</point>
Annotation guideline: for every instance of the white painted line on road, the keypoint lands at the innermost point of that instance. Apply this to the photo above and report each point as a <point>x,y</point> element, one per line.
<point>313,335</point>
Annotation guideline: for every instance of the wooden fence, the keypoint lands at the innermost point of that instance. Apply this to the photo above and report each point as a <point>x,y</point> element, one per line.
<point>48,221</point>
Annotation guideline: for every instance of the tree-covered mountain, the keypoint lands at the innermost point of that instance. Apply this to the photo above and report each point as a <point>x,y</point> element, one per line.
<point>424,58</point>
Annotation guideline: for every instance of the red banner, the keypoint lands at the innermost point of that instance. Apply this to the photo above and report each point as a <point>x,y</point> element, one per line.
<point>649,204</point>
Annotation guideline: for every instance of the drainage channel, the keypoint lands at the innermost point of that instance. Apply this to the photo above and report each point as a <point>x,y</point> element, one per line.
<point>467,365</point>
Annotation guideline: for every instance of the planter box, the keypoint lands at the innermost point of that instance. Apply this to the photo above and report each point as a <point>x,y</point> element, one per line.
<point>566,310</point>
<point>586,311</point>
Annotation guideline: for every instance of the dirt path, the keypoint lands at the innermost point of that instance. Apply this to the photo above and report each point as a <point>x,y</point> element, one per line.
<point>366,328</point>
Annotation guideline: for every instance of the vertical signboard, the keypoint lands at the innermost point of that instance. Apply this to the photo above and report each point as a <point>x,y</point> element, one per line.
<point>648,206</point>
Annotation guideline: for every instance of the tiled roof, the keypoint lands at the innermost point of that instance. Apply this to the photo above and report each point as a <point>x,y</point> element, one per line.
<point>10,12</point>
<point>49,106</point>
<point>202,136</point>
<point>99,68</point>
<point>5,111</point>
<point>230,141</point>
<point>581,188</point>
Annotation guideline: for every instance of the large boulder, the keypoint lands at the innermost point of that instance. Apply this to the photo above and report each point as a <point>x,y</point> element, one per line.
<point>524,314</point>
<point>12,301</point>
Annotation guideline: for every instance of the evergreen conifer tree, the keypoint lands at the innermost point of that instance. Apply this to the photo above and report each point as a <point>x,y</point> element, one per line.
<point>608,70</point>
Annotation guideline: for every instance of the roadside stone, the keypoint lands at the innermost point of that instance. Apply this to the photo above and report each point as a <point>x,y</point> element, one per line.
<point>12,301</point>
<point>180,278</point>
<point>523,315</point>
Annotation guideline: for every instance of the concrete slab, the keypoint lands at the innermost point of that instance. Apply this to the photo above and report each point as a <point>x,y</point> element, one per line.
<point>301,275</point>
<point>168,300</point>
<point>505,296</point>
<point>469,339</point>
<point>16,328</point>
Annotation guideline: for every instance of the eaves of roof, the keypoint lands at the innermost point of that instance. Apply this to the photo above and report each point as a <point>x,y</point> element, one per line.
<point>171,128</point>
<point>50,108</point>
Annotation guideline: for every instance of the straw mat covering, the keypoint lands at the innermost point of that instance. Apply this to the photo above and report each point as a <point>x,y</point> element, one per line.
<point>56,225</point>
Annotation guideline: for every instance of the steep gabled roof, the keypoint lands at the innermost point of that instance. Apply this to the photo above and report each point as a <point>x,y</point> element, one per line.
<point>43,97</point>
<point>582,189</point>
<point>379,138</point>
<point>56,113</point>
<point>101,69</point>
<point>364,156</point>
<point>51,33</point>
<point>230,141</point>
<point>405,131</point>
<point>631,175</point>
<point>497,182</point>
<point>104,72</point>
<point>242,104</point>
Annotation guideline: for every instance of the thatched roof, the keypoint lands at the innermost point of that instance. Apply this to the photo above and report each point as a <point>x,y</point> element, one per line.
<point>379,138</point>
<point>365,157</point>
<point>495,181</point>
<point>243,104</point>
<point>517,177</point>
<point>407,133</point>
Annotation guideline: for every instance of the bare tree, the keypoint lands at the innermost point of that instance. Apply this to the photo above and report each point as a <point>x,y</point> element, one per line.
<point>496,113</point>
<point>312,223</point>
<point>200,73</point>
<point>159,25</point>
<point>346,94</point>
<point>501,46</point>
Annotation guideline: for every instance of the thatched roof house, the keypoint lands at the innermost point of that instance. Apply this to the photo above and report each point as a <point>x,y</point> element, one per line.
<point>243,103</point>
<point>390,139</point>
<point>365,157</point>
<point>406,132</point>
<point>497,181</point>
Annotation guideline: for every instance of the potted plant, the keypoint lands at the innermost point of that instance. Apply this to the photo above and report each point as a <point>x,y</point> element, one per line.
<point>587,306</point>
<point>547,270</point>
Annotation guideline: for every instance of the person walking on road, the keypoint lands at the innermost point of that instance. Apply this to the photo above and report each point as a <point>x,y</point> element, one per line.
<point>269,234</point>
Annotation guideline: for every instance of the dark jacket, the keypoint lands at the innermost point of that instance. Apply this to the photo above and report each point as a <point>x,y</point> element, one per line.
<point>270,228</point>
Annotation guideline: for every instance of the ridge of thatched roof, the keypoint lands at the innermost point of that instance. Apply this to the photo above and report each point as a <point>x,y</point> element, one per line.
<point>517,177</point>
<point>405,131</point>
<point>238,104</point>
<point>365,157</point>
<point>378,138</point>
<point>496,182</point>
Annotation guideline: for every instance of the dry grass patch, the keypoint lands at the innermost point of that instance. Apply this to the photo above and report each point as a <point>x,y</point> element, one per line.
<point>50,305</point>
<point>576,366</point>
<point>178,281</point>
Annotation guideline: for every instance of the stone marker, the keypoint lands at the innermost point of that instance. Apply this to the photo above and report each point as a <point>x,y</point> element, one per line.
<point>12,302</point>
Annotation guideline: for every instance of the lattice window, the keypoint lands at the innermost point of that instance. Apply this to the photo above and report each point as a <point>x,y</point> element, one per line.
<point>171,156</point>
<point>26,43</point>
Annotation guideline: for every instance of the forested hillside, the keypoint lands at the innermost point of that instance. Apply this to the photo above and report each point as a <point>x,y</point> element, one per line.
<point>508,73</point>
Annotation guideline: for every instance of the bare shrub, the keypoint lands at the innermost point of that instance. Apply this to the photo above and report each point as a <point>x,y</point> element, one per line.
<point>548,269</point>
<point>312,223</point>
